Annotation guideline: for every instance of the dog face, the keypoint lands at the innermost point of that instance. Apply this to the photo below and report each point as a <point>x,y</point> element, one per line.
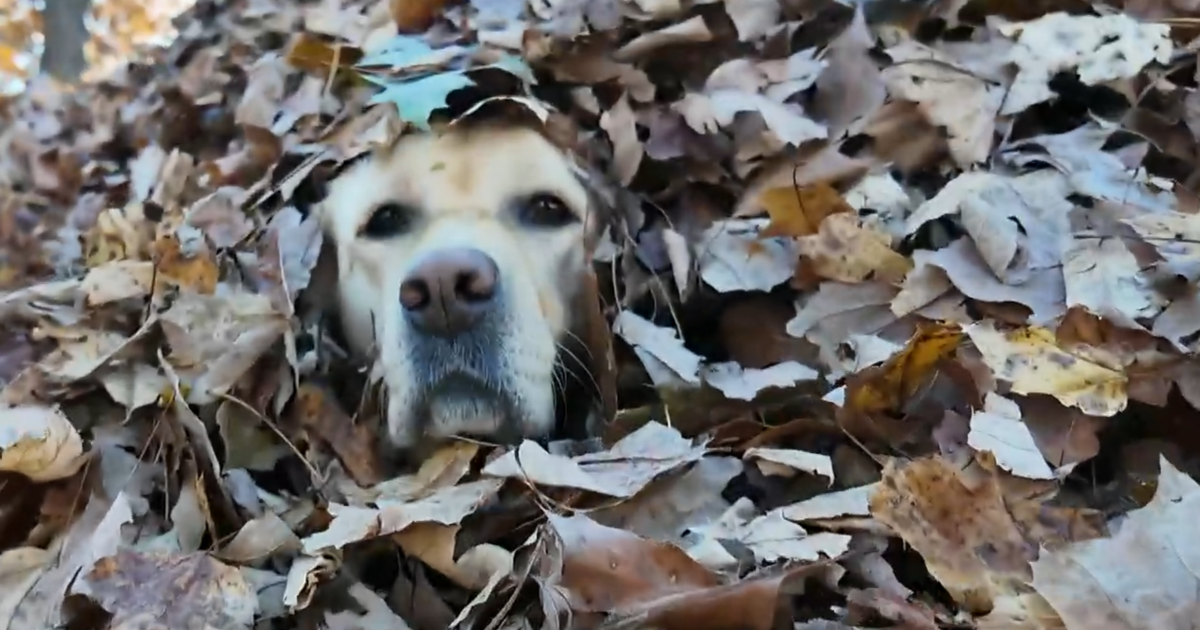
<point>459,256</point>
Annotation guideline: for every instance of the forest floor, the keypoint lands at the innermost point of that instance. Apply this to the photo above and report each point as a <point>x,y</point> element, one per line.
<point>903,307</point>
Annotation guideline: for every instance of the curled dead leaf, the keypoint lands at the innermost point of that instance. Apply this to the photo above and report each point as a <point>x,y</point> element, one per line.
<point>39,442</point>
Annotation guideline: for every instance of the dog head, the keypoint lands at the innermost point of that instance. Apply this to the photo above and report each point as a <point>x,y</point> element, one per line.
<point>462,259</point>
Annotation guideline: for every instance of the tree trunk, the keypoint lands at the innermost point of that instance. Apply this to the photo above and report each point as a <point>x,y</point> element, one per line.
<point>66,33</point>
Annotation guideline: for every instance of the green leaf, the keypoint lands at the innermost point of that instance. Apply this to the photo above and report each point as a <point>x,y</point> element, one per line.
<point>416,100</point>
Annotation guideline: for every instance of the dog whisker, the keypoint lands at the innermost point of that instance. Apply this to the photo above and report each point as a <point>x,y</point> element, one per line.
<point>591,378</point>
<point>582,344</point>
<point>559,382</point>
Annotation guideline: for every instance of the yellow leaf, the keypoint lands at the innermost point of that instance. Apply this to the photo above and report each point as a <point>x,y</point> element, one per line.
<point>1031,360</point>
<point>314,55</point>
<point>847,251</point>
<point>888,386</point>
<point>800,211</point>
<point>117,236</point>
<point>8,60</point>
<point>101,248</point>
<point>8,275</point>
<point>166,397</point>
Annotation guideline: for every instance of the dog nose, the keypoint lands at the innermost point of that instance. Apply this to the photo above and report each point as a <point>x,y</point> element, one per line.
<point>449,290</point>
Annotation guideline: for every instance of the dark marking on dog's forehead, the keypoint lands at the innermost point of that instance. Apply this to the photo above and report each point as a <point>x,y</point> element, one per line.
<point>603,206</point>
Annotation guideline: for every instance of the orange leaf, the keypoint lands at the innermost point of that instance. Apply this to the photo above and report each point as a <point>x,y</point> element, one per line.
<point>198,271</point>
<point>414,16</point>
<point>8,61</point>
<point>800,211</point>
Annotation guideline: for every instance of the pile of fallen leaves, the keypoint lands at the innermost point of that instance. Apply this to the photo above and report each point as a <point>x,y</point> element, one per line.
<point>905,317</point>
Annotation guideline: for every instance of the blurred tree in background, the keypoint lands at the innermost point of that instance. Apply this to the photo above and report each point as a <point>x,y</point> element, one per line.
<point>69,39</point>
<point>64,35</point>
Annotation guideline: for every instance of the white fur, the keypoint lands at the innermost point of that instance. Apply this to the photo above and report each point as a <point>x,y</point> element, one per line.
<point>463,182</point>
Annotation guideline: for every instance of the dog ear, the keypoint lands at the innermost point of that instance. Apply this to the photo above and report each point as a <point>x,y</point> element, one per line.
<point>607,211</point>
<point>315,300</point>
<point>602,364</point>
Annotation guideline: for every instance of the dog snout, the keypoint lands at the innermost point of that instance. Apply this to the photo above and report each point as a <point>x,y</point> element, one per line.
<point>449,290</point>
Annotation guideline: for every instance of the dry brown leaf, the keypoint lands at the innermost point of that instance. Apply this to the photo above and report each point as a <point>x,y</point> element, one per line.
<point>800,211</point>
<point>911,615</point>
<point>434,544</point>
<point>172,201</point>
<point>118,280</point>
<point>447,506</point>
<point>606,570</point>
<point>620,125</point>
<point>354,443</point>
<point>190,590</point>
<point>644,455</point>
<point>118,235</point>
<point>39,442</point>
<point>288,255</point>
<point>318,56</point>
<point>847,250</point>
<point>973,536</point>
<point>1142,575</point>
<point>999,430</point>
<point>949,96</point>
<point>886,387</point>
<point>413,16</point>
<point>754,332</point>
<point>1065,436</point>
<point>194,268</point>
<point>260,538</point>
<point>665,508</point>
<point>852,87</point>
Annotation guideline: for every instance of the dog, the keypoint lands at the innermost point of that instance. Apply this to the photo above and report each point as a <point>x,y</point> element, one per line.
<point>463,268</point>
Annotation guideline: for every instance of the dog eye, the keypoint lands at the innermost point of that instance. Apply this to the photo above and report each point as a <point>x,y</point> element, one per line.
<point>390,219</point>
<point>546,210</point>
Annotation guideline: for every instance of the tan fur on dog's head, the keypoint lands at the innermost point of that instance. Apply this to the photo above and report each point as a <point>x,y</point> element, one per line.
<point>460,197</point>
